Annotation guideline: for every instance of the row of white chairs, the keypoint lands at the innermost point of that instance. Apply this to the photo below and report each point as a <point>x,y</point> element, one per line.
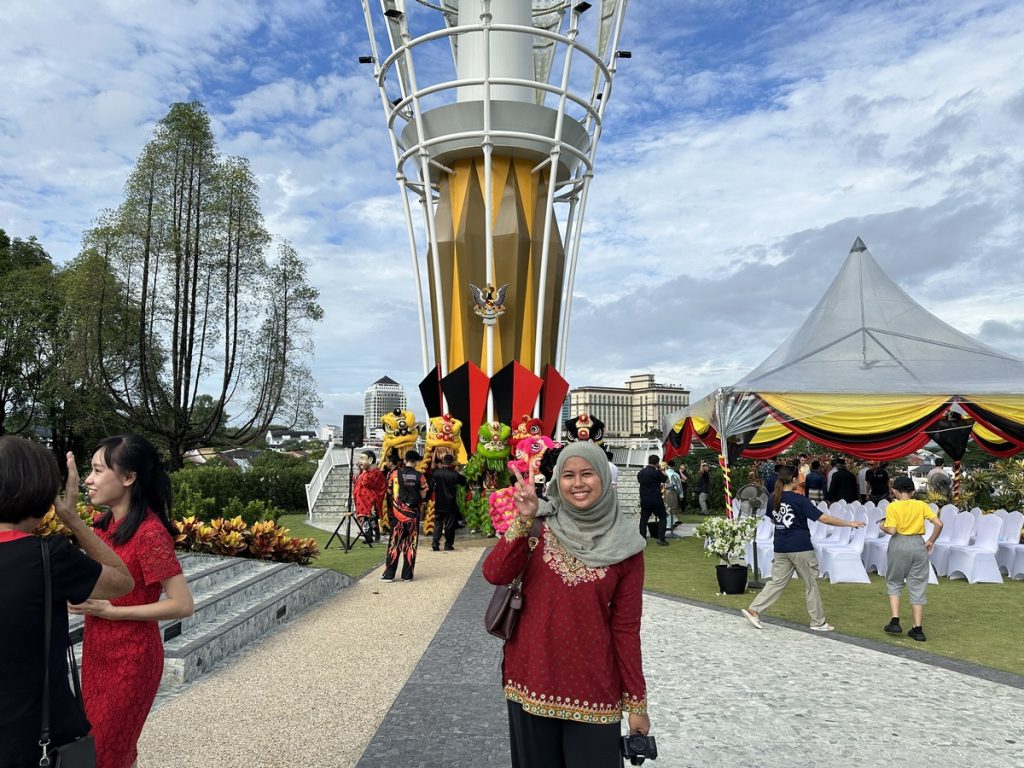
<point>972,546</point>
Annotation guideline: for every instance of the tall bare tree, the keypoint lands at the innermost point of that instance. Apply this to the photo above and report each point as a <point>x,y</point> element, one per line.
<point>196,299</point>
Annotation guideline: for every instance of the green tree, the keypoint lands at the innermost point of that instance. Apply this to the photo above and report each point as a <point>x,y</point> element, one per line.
<point>29,307</point>
<point>192,318</point>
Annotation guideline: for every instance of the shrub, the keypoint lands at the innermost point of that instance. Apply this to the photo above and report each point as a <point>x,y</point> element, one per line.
<point>265,540</point>
<point>252,512</point>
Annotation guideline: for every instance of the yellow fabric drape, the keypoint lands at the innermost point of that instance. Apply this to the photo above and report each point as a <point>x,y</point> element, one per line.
<point>984,433</point>
<point>1010,407</point>
<point>850,414</point>
<point>769,432</point>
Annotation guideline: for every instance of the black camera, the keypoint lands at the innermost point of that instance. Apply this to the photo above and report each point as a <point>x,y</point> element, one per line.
<point>638,748</point>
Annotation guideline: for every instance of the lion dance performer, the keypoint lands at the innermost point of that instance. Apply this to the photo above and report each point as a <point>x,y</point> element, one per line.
<point>443,439</point>
<point>488,471</point>
<point>368,493</point>
<point>401,431</point>
<point>529,445</point>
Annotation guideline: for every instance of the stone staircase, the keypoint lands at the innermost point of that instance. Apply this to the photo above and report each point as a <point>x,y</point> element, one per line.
<point>333,498</point>
<point>237,601</point>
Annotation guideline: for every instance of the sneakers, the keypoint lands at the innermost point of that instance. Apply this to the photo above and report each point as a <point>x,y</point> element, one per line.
<point>893,627</point>
<point>917,633</point>
<point>387,578</point>
<point>752,618</point>
<point>823,627</point>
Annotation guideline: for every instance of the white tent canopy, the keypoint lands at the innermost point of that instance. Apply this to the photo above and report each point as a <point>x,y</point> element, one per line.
<point>866,344</point>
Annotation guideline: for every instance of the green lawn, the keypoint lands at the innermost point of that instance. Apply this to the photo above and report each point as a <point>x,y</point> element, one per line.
<point>357,562</point>
<point>974,622</point>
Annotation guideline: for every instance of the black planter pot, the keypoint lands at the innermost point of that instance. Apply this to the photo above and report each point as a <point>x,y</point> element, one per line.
<point>732,579</point>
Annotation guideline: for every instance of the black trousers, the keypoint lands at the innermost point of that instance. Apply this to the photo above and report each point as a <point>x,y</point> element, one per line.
<point>657,526</point>
<point>548,742</point>
<point>446,521</point>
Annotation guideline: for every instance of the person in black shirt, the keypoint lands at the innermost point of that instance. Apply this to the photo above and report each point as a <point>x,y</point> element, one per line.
<point>843,485</point>
<point>445,482</point>
<point>652,480</point>
<point>878,482</point>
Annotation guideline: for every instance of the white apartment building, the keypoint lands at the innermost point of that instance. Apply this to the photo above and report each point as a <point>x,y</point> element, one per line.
<point>631,411</point>
<point>381,397</point>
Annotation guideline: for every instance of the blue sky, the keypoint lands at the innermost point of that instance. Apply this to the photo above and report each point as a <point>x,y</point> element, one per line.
<point>747,145</point>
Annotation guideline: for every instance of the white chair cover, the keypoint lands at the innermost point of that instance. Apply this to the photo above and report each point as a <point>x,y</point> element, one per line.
<point>960,535</point>
<point>977,562</point>
<point>1009,541</point>
<point>844,563</point>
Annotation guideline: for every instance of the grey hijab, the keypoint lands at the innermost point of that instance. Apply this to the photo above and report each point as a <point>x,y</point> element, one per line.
<point>600,535</point>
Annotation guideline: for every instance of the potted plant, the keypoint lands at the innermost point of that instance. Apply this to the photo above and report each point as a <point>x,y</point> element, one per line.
<point>727,538</point>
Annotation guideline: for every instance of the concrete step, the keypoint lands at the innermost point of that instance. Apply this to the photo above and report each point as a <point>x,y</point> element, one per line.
<point>222,633</point>
<point>237,601</point>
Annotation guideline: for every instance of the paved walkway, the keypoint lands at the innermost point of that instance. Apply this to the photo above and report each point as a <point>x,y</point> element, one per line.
<point>721,692</point>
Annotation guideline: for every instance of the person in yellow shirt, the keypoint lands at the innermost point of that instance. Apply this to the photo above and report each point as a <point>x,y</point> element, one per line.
<point>907,558</point>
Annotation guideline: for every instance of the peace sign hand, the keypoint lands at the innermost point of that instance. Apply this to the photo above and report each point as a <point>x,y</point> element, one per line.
<point>525,495</point>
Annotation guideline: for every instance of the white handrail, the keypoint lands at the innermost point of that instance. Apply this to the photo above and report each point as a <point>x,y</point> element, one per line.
<point>316,484</point>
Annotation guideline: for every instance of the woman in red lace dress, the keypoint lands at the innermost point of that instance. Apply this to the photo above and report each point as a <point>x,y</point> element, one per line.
<point>122,650</point>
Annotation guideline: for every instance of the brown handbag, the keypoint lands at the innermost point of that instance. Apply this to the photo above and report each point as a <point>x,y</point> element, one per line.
<point>503,611</point>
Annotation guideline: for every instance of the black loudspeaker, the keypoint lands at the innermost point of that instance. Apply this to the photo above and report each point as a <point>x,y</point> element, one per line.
<point>352,431</point>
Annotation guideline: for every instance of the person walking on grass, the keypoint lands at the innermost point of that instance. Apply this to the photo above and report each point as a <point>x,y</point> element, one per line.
<point>907,557</point>
<point>793,551</point>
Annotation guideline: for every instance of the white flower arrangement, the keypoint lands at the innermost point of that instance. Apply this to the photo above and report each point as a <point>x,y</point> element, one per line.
<point>727,538</point>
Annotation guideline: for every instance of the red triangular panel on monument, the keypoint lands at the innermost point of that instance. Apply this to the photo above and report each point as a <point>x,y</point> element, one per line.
<point>430,391</point>
<point>514,389</point>
<point>552,396</point>
<point>465,389</point>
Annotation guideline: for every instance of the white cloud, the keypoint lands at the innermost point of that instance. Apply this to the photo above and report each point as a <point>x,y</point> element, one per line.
<point>744,149</point>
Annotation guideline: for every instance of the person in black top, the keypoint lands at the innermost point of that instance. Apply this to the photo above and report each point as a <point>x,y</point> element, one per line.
<point>843,485</point>
<point>878,482</point>
<point>652,480</point>
<point>445,482</point>
<point>28,484</point>
<point>814,483</point>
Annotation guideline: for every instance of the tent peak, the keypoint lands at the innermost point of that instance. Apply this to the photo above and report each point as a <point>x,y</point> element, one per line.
<point>858,246</point>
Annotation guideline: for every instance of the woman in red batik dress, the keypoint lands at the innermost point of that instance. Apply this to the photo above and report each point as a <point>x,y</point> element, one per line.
<point>573,665</point>
<point>122,649</point>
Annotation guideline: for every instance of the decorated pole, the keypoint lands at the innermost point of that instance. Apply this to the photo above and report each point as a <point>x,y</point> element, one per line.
<point>723,452</point>
<point>723,462</point>
<point>956,482</point>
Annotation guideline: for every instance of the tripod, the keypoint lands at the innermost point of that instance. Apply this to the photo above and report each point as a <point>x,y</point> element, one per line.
<point>346,518</point>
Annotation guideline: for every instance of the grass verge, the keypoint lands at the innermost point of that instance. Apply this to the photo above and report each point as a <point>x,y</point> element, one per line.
<point>972,622</point>
<point>357,562</point>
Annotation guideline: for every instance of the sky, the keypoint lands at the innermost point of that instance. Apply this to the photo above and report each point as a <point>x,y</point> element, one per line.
<point>746,146</point>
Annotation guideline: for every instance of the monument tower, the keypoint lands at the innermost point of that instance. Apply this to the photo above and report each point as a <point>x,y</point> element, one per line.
<point>494,109</point>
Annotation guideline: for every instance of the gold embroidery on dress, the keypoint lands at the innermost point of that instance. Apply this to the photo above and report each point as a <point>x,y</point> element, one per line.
<point>572,570</point>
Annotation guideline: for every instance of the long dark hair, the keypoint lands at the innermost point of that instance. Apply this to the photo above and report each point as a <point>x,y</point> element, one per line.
<point>151,489</point>
<point>786,474</point>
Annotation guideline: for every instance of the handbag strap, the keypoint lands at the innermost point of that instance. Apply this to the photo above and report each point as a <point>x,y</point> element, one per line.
<point>535,531</point>
<point>44,728</point>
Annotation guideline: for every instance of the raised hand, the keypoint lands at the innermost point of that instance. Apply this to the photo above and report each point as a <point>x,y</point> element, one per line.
<point>525,494</point>
<point>67,507</point>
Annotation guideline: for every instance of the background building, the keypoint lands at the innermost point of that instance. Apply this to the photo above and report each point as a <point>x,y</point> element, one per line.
<point>631,411</point>
<point>382,396</point>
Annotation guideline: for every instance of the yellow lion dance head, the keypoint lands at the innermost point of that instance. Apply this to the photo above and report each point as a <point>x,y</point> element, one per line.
<point>444,437</point>
<point>401,431</point>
